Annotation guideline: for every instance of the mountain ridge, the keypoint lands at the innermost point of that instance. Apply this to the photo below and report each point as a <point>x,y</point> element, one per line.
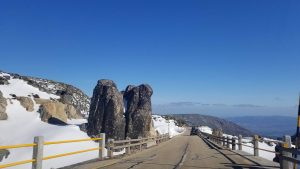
<point>213,122</point>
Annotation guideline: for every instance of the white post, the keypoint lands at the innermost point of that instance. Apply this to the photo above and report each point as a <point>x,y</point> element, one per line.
<point>255,143</point>
<point>110,151</point>
<point>287,143</point>
<point>240,142</point>
<point>169,128</point>
<point>141,142</point>
<point>101,146</point>
<point>128,151</point>
<point>38,152</point>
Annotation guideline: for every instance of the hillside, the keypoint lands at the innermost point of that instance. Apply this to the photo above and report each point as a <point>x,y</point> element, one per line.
<point>269,126</point>
<point>28,108</point>
<point>214,123</point>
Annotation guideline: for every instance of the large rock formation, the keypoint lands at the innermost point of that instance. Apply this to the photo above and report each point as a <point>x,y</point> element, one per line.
<point>106,111</point>
<point>27,103</point>
<point>3,104</point>
<point>138,111</point>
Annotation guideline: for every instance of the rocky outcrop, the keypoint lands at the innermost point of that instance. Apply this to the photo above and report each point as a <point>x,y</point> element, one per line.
<point>68,93</point>
<point>4,80</point>
<point>54,113</point>
<point>57,113</point>
<point>4,154</point>
<point>71,112</point>
<point>27,103</point>
<point>41,101</point>
<point>3,104</point>
<point>106,111</point>
<point>138,111</point>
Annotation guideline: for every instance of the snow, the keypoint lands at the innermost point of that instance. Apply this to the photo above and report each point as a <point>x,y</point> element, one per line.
<point>21,88</point>
<point>163,126</point>
<point>22,126</point>
<point>205,129</point>
<point>26,125</point>
<point>247,141</point>
<point>76,121</point>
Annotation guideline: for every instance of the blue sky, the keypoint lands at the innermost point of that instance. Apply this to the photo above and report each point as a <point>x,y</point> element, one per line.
<point>212,52</point>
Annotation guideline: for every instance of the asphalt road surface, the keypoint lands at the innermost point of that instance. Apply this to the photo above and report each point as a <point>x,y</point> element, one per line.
<point>186,152</point>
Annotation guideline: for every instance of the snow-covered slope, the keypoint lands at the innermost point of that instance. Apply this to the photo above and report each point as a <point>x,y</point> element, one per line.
<point>265,144</point>
<point>22,126</point>
<point>163,126</point>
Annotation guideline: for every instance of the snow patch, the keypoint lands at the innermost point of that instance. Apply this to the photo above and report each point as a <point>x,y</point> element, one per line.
<point>163,126</point>
<point>21,88</point>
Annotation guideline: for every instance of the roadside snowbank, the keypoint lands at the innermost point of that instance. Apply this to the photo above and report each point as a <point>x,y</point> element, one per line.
<point>247,141</point>
<point>163,126</point>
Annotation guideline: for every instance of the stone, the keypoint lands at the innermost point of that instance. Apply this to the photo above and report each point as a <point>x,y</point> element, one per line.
<point>3,104</point>
<point>27,103</point>
<point>138,111</point>
<point>106,111</point>
<point>4,154</point>
<point>41,101</point>
<point>72,113</point>
<point>53,113</point>
<point>4,80</point>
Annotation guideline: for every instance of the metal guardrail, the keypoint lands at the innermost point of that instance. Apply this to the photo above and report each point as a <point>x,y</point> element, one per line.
<point>38,150</point>
<point>285,154</point>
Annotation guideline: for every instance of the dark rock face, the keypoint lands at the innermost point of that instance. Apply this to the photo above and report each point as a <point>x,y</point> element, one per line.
<point>106,111</point>
<point>138,111</point>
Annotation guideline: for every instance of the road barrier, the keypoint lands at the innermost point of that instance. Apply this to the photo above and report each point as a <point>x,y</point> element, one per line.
<point>38,146</point>
<point>285,152</point>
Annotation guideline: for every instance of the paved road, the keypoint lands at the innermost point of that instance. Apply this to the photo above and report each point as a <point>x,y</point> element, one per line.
<point>186,152</point>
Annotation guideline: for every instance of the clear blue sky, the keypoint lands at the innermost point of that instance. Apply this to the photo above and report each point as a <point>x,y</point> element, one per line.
<point>209,51</point>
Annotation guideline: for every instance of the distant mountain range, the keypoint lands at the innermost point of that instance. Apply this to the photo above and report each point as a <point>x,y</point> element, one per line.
<point>228,127</point>
<point>268,126</point>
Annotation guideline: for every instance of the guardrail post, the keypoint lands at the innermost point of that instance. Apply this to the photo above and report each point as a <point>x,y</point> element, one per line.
<point>101,146</point>
<point>128,151</point>
<point>110,151</point>
<point>224,141</point>
<point>255,143</point>
<point>141,142</point>
<point>240,143</point>
<point>233,143</point>
<point>38,152</point>
<point>228,142</point>
<point>287,143</point>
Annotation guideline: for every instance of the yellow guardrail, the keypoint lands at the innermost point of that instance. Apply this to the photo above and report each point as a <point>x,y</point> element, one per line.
<point>71,153</point>
<point>17,163</point>
<point>71,141</point>
<point>49,157</point>
<point>17,146</point>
